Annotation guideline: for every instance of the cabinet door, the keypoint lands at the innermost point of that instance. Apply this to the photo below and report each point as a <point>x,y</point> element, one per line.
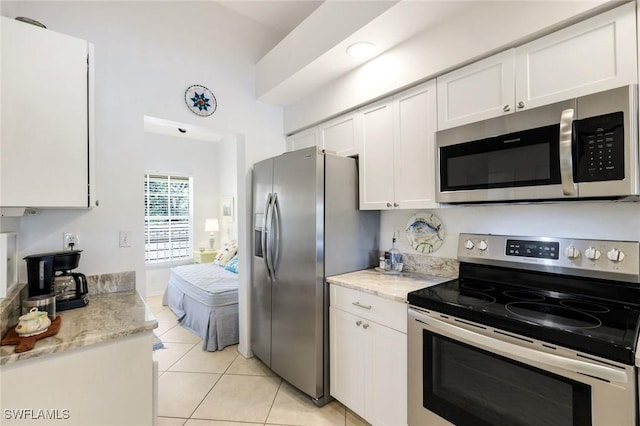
<point>484,89</point>
<point>304,139</point>
<point>414,147</point>
<point>594,55</point>
<point>347,365</point>
<point>45,129</point>
<point>386,355</point>
<point>339,135</point>
<point>376,157</point>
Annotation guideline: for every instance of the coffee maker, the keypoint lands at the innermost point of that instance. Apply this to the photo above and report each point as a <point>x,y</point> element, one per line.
<point>50,273</point>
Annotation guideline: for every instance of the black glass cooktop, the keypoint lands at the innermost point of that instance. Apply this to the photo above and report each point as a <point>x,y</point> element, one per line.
<point>578,320</point>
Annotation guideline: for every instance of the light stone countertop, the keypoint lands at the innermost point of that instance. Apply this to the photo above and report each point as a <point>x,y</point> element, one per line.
<point>393,287</point>
<point>106,317</point>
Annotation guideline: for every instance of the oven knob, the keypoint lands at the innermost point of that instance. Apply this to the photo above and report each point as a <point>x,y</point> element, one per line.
<point>482,245</point>
<point>572,253</point>
<point>615,255</point>
<point>592,253</point>
<point>469,244</point>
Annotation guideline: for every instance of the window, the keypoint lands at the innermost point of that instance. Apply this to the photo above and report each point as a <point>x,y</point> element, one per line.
<point>167,218</point>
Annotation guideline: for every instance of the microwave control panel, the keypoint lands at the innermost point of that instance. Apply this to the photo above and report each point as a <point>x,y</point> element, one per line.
<point>600,148</point>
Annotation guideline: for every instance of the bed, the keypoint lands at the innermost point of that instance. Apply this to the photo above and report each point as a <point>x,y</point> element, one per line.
<point>205,299</point>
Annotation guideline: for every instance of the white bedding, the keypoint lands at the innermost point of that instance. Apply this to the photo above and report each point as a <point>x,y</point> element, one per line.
<point>209,284</point>
<point>205,299</point>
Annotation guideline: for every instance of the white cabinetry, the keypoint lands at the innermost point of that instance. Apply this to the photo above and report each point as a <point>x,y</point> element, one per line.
<point>337,136</point>
<point>107,383</point>
<point>368,355</point>
<point>484,89</point>
<point>47,118</point>
<point>397,153</point>
<point>304,139</point>
<point>594,55</point>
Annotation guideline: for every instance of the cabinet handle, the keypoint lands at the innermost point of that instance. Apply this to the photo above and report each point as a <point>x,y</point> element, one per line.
<point>506,108</point>
<point>358,323</point>
<point>389,205</point>
<point>396,205</point>
<point>359,305</point>
<point>520,104</point>
<point>365,326</point>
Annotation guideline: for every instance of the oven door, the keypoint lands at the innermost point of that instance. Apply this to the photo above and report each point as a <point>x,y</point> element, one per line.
<point>467,374</point>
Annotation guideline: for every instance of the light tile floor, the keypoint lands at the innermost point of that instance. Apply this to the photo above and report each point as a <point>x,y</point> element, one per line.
<point>223,388</point>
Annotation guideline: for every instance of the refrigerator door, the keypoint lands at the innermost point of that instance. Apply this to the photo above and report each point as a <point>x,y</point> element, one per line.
<point>260,291</point>
<point>297,294</point>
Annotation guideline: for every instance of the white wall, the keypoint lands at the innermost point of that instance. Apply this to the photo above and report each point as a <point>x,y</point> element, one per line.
<point>147,54</point>
<point>607,220</point>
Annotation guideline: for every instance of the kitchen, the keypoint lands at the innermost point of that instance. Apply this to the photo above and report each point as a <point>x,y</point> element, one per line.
<point>128,92</point>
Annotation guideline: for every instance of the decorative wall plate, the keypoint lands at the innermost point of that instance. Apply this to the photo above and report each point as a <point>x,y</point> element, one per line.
<point>200,100</point>
<point>425,232</point>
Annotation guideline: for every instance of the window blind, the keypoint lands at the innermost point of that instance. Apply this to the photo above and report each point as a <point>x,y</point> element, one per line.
<point>168,230</point>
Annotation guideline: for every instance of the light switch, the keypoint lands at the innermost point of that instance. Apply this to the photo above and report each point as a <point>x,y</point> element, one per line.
<point>125,238</point>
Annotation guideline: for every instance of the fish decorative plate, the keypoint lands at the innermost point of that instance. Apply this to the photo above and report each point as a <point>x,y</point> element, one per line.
<point>425,232</point>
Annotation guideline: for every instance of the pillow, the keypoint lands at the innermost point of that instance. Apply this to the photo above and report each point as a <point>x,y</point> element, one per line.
<point>232,265</point>
<point>225,254</point>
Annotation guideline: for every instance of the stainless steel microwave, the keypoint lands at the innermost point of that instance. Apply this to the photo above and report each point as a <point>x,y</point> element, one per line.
<point>581,148</point>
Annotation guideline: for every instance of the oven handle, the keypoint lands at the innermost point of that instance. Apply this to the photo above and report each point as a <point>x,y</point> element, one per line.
<point>565,152</point>
<point>510,350</point>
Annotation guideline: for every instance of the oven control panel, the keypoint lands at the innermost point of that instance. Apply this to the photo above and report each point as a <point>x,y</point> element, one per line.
<point>538,249</point>
<point>619,260</point>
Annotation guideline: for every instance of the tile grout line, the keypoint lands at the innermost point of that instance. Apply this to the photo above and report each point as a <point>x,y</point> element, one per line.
<point>214,385</point>
<point>266,420</point>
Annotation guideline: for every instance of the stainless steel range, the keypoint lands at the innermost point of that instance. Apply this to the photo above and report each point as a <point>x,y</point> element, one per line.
<point>535,331</point>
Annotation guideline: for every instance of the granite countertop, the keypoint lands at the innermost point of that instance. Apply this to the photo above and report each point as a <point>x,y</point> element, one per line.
<point>393,287</point>
<point>106,317</point>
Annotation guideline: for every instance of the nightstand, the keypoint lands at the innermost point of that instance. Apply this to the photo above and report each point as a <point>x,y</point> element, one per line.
<point>206,256</point>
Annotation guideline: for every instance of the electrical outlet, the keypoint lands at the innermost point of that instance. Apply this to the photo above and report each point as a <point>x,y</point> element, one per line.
<point>125,238</point>
<point>69,241</point>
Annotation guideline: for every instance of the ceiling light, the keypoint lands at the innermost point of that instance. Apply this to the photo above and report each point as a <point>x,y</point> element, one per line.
<point>361,50</point>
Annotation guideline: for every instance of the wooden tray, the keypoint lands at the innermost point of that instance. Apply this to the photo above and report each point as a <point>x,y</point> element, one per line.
<point>27,343</point>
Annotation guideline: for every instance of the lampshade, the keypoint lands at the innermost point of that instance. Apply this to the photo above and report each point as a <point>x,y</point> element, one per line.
<point>211,225</point>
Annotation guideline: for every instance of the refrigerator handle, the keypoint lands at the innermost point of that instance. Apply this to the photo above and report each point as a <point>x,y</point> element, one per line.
<point>275,235</point>
<point>266,224</point>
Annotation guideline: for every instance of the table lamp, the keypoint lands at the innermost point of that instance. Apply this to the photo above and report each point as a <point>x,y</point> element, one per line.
<point>211,226</point>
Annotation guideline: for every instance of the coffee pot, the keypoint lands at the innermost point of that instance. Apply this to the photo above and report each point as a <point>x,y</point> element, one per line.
<point>50,273</point>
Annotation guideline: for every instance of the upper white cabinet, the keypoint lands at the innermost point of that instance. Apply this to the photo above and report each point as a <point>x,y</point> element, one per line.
<point>337,136</point>
<point>482,90</point>
<point>47,119</point>
<point>304,139</point>
<point>397,153</point>
<point>594,55</point>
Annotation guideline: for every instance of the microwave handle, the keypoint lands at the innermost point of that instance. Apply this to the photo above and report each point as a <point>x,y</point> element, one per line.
<point>565,149</point>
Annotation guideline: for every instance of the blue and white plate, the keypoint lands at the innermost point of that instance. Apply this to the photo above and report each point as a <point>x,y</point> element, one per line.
<point>425,232</point>
<point>200,100</point>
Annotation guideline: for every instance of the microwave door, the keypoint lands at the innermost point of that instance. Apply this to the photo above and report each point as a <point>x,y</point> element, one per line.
<point>509,158</point>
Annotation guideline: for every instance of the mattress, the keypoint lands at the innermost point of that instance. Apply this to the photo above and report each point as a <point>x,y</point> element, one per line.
<point>207,283</point>
<point>204,297</point>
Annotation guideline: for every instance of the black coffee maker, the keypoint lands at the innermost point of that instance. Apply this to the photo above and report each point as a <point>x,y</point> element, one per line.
<point>50,273</point>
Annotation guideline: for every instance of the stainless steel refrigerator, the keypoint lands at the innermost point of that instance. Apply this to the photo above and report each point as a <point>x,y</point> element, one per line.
<point>306,226</point>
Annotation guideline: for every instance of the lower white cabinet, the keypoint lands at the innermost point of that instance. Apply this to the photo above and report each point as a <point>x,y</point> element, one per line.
<point>368,358</point>
<point>110,383</point>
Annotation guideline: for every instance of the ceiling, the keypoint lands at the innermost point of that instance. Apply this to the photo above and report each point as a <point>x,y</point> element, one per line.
<point>277,15</point>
